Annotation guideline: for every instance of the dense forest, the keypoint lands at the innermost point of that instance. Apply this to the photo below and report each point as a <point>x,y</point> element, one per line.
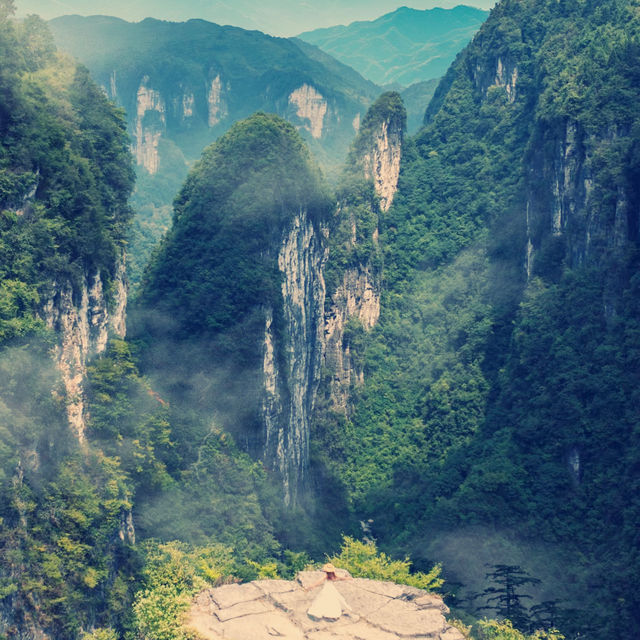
<point>498,408</point>
<point>476,410</point>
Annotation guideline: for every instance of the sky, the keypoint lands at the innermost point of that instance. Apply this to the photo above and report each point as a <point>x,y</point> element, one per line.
<point>277,17</point>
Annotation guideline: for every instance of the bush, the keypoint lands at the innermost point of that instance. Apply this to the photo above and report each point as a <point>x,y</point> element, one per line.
<point>363,560</point>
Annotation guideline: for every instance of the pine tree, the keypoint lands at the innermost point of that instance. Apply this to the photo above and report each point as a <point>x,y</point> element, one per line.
<point>504,597</point>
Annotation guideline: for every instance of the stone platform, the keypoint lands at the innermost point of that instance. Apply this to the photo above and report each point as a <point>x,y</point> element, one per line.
<point>271,609</point>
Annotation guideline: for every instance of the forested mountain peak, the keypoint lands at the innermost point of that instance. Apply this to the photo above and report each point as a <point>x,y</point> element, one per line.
<point>247,237</point>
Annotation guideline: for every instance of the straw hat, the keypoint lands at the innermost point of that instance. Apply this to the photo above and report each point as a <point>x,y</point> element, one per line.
<point>329,568</point>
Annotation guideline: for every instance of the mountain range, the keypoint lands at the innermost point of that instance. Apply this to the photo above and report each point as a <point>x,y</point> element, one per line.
<point>278,17</point>
<point>405,46</point>
<point>183,84</point>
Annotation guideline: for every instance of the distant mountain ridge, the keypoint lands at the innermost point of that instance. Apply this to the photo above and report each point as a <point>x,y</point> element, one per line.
<point>277,17</point>
<point>405,46</point>
<point>254,72</point>
<point>184,84</point>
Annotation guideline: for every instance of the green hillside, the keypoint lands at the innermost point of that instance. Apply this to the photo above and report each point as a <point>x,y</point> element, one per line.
<point>497,408</point>
<point>405,46</point>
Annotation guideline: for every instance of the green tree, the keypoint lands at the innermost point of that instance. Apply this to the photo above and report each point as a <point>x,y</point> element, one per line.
<point>505,597</point>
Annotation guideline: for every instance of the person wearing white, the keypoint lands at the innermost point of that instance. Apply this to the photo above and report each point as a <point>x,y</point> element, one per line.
<point>329,603</point>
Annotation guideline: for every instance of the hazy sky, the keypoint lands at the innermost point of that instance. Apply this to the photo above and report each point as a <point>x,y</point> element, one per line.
<point>278,17</point>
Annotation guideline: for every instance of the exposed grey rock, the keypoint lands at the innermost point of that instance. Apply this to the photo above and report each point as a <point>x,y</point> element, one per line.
<point>83,316</point>
<point>267,609</point>
<point>290,387</point>
<point>382,163</point>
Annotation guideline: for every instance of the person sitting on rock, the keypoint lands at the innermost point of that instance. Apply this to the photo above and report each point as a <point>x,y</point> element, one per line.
<point>329,603</point>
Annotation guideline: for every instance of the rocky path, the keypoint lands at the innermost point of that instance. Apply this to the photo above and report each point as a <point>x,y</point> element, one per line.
<point>270,609</point>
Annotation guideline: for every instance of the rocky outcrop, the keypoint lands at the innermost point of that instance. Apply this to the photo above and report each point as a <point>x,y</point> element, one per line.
<point>311,106</point>
<point>376,156</point>
<point>83,318</point>
<point>358,296</point>
<point>113,85</point>
<point>497,72</point>
<point>150,124</point>
<point>565,205</point>
<point>265,609</point>
<point>290,381</point>
<point>382,163</point>
<point>188,105</point>
<point>507,78</point>
<point>217,108</point>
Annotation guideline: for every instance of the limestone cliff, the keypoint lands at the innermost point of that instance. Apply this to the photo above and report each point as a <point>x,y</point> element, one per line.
<point>358,297</point>
<point>382,162</point>
<point>311,106</point>
<point>500,72</point>
<point>250,222</point>
<point>216,103</point>
<point>82,318</point>
<point>265,609</point>
<point>566,204</point>
<point>150,123</point>
<point>375,157</point>
<point>289,394</point>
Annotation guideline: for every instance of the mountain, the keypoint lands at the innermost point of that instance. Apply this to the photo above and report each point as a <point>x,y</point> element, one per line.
<point>405,46</point>
<point>82,435</point>
<point>187,82</point>
<point>279,17</point>
<point>440,357</point>
<point>248,221</point>
<point>65,179</point>
<point>184,84</point>
<point>490,417</point>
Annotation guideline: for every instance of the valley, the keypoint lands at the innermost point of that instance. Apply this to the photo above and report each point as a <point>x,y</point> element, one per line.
<point>258,313</point>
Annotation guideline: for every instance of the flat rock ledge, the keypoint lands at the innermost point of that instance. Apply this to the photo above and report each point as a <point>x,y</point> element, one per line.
<point>272,609</point>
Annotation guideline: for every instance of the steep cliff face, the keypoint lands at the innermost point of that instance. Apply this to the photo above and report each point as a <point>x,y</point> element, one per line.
<point>310,105</point>
<point>216,102</point>
<point>501,72</point>
<point>357,297</point>
<point>289,394</point>
<point>66,177</point>
<point>253,321</point>
<point>567,203</point>
<point>150,124</point>
<point>82,320</point>
<point>375,157</point>
<point>382,163</point>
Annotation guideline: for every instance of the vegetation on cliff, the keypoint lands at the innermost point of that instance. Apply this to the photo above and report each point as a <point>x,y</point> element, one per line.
<point>65,178</point>
<point>230,220</point>
<point>492,380</point>
<point>495,421</point>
